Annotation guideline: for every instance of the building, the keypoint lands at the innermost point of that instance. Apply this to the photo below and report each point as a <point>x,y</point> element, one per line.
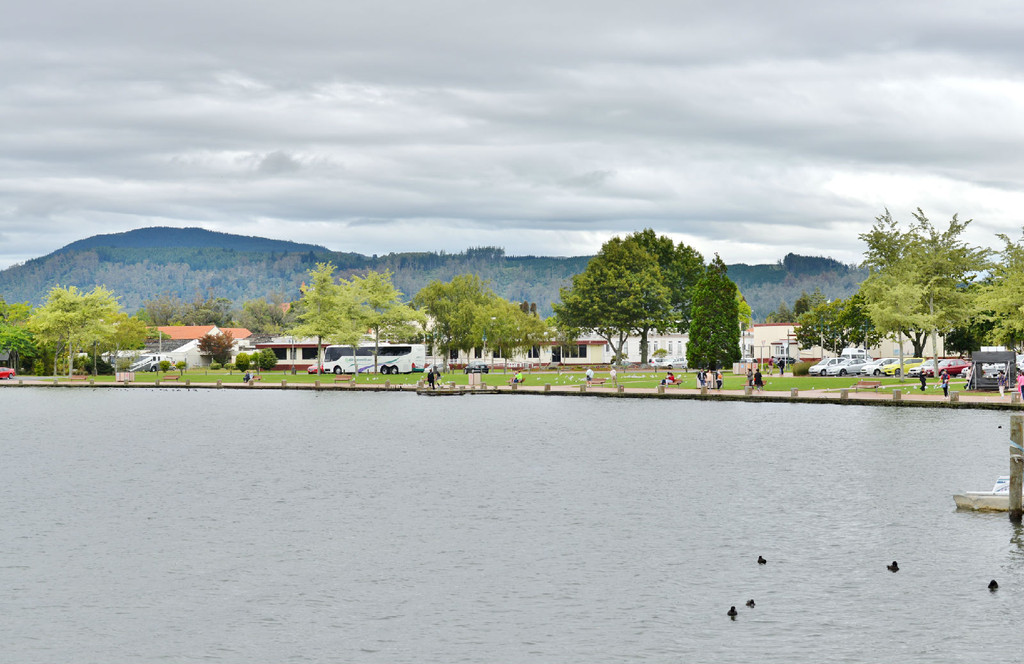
<point>180,343</point>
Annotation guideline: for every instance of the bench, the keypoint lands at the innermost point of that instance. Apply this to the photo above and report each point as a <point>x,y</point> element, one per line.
<point>170,378</point>
<point>867,385</point>
<point>598,381</point>
<point>343,378</point>
<point>78,377</point>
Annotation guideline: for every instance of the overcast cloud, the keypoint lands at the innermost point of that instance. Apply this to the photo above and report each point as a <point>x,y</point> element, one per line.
<point>750,129</point>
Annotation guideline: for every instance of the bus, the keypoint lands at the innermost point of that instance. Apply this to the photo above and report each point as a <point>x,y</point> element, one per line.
<point>391,359</point>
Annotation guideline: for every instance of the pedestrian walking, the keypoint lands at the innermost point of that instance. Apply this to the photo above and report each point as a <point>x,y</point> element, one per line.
<point>1001,381</point>
<point>590,376</point>
<point>1020,385</point>
<point>759,381</point>
<point>945,383</point>
<point>750,377</point>
<point>613,375</point>
<point>719,379</point>
<point>924,381</point>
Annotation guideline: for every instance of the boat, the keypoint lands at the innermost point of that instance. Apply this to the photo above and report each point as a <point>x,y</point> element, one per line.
<point>996,500</point>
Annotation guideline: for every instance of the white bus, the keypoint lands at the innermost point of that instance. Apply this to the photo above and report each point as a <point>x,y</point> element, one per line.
<point>391,359</point>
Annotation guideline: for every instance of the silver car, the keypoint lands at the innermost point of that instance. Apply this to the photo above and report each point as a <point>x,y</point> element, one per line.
<point>850,367</point>
<point>820,368</point>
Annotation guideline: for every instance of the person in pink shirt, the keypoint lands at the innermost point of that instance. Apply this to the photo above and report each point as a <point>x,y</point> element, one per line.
<point>1020,384</point>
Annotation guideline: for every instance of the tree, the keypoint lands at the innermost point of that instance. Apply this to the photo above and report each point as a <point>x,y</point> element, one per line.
<point>69,317</point>
<point>806,302</point>
<point>510,329</point>
<point>385,312</point>
<point>919,280</point>
<point>715,329</point>
<point>681,267</point>
<point>1002,297</point>
<point>15,339</point>
<point>836,325</point>
<point>454,310</point>
<point>781,315</point>
<point>265,359</point>
<point>264,316</point>
<point>327,311</point>
<point>211,311</point>
<point>217,346</point>
<point>621,291</point>
<point>163,310</point>
<point>242,361</point>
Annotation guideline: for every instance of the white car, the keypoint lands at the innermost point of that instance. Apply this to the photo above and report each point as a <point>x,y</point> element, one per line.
<point>820,368</point>
<point>669,362</point>
<point>876,368</point>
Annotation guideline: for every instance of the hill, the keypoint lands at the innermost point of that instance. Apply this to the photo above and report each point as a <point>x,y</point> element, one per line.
<point>142,264</point>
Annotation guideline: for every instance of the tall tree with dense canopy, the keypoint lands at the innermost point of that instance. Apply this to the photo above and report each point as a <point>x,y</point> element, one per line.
<point>217,346</point>
<point>455,311</point>
<point>70,318</point>
<point>386,313</point>
<point>325,310</point>
<point>681,267</point>
<point>1002,298</point>
<point>621,291</point>
<point>715,328</point>
<point>919,280</point>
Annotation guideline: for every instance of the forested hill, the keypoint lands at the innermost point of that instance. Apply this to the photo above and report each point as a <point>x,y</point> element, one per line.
<point>143,264</point>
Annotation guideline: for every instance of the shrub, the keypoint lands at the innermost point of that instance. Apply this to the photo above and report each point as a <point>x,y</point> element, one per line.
<point>215,366</point>
<point>242,361</point>
<point>180,366</point>
<point>165,365</point>
<point>230,367</point>
<point>800,368</point>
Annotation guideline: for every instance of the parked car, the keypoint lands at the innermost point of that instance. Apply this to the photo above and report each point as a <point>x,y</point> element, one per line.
<point>669,362</point>
<point>314,368</point>
<point>477,366</point>
<point>908,364</point>
<point>876,367</point>
<point>6,372</point>
<point>953,367</point>
<point>850,367</point>
<point>819,368</point>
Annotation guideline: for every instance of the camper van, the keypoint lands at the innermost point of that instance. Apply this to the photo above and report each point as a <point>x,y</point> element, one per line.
<point>148,363</point>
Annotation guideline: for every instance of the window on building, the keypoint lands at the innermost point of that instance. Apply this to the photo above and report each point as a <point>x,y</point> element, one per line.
<point>281,353</point>
<point>534,353</point>
<point>309,353</point>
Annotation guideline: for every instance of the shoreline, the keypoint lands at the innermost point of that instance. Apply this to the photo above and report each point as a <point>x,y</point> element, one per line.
<point>896,398</point>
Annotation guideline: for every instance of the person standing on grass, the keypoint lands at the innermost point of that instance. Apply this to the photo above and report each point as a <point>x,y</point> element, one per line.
<point>945,383</point>
<point>590,376</point>
<point>924,381</point>
<point>759,381</point>
<point>613,374</point>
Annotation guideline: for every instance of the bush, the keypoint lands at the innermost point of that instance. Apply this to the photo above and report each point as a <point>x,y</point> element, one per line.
<point>180,366</point>
<point>215,366</point>
<point>165,365</point>
<point>800,368</point>
<point>230,367</point>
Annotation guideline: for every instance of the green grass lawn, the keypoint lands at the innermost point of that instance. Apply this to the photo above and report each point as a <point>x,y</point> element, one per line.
<point>640,379</point>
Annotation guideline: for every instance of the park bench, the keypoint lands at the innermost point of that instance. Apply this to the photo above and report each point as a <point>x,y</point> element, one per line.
<point>344,378</point>
<point>170,378</point>
<point>79,377</point>
<point>596,382</point>
<point>867,385</point>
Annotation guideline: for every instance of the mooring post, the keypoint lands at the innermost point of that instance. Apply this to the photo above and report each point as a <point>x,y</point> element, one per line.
<point>1016,466</point>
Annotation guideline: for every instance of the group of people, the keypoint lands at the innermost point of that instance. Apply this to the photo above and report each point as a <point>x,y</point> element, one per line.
<point>755,379</point>
<point>711,379</point>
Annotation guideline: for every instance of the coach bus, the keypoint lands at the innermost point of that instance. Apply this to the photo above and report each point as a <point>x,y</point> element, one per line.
<point>391,359</point>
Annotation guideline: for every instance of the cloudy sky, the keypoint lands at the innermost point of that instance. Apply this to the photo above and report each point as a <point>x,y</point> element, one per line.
<point>750,129</point>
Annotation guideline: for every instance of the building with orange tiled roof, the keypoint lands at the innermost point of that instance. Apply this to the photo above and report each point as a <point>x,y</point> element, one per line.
<point>181,342</point>
<point>179,332</point>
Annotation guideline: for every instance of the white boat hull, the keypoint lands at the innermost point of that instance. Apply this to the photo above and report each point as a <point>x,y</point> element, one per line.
<point>983,501</point>
<point>996,500</point>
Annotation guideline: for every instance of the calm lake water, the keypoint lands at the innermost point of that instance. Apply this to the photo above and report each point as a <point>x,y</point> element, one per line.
<point>270,526</point>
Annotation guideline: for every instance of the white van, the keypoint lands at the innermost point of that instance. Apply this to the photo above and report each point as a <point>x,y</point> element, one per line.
<point>855,354</point>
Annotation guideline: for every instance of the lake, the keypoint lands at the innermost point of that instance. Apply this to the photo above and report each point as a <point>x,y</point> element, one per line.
<point>275,526</point>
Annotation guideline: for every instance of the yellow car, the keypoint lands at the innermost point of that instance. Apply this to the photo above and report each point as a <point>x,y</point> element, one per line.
<point>908,364</point>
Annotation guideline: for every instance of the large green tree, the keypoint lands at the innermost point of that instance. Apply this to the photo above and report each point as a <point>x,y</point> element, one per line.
<point>836,325</point>
<point>621,291</point>
<point>510,329</point>
<point>70,318</point>
<point>681,267</point>
<point>919,279</point>
<point>386,312</point>
<point>455,311</point>
<point>1002,297</point>
<point>715,328</point>
<point>327,311</point>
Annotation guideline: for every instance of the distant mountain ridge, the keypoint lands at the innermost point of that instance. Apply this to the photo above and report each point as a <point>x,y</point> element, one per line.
<point>145,263</point>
